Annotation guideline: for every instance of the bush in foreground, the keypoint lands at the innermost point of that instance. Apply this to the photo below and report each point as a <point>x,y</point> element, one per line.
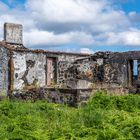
<point>103,118</point>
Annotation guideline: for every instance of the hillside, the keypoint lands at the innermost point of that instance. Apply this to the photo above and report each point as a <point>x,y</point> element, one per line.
<point>103,117</point>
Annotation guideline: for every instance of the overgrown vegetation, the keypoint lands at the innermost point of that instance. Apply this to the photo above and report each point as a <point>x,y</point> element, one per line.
<point>102,118</point>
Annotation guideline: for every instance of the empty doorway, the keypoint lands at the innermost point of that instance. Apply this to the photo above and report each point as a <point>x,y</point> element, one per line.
<point>132,72</point>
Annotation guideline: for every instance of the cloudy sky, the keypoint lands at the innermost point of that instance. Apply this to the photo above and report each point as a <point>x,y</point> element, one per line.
<point>75,25</point>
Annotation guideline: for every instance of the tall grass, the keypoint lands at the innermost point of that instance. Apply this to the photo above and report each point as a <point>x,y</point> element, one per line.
<point>102,118</point>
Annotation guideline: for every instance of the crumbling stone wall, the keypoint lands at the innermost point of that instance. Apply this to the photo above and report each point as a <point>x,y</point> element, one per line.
<point>70,77</point>
<point>4,70</point>
<point>65,69</point>
<point>83,71</point>
<point>63,72</point>
<point>29,70</point>
<point>89,69</point>
<point>100,71</point>
<point>63,96</point>
<point>116,69</point>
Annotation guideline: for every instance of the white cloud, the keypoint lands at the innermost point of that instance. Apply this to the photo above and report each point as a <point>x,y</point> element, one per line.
<point>82,22</point>
<point>66,10</point>
<point>131,37</point>
<point>134,17</point>
<point>38,37</point>
<point>86,50</point>
<point>97,15</point>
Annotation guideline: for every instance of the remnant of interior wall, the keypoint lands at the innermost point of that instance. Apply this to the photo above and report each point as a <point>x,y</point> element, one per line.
<point>29,70</point>
<point>90,70</point>
<point>65,62</point>
<point>85,71</point>
<point>4,59</point>
<point>116,70</point>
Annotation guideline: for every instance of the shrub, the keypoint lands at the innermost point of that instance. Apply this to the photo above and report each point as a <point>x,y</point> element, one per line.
<point>102,118</point>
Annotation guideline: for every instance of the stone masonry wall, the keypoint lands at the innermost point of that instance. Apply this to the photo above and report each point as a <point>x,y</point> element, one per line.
<point>13,33</point>
<point>4,59</point>
<point>65,71</point>
<point>81,72</point>
<point>29,70</point>
<point>73,71</point>
<point>63,96</point>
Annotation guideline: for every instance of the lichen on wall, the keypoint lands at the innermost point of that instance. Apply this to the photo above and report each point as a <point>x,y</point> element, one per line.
<point>37,68</point>
<point>65,62</point>
<point>90,70</point>
<point>4,59</point>
<point>29,67</point>
<point>19,61</point>
<point>13,33</point>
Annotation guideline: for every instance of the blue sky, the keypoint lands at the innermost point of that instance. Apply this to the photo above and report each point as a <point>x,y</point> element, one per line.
<point>133,5</point>
<point>83,26</point>
<point>14,3</point>
<point>127,5</point>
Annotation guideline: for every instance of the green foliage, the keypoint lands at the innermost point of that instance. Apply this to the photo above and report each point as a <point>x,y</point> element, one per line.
<point>103,117</point>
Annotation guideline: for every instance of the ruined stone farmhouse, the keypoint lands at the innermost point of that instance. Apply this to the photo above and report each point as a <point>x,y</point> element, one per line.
<point>64,75</point>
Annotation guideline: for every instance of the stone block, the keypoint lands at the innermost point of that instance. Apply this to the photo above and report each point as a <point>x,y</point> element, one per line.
<point>13,33</point>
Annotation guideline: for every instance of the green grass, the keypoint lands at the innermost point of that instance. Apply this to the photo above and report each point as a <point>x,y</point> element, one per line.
<point>102,118</point>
